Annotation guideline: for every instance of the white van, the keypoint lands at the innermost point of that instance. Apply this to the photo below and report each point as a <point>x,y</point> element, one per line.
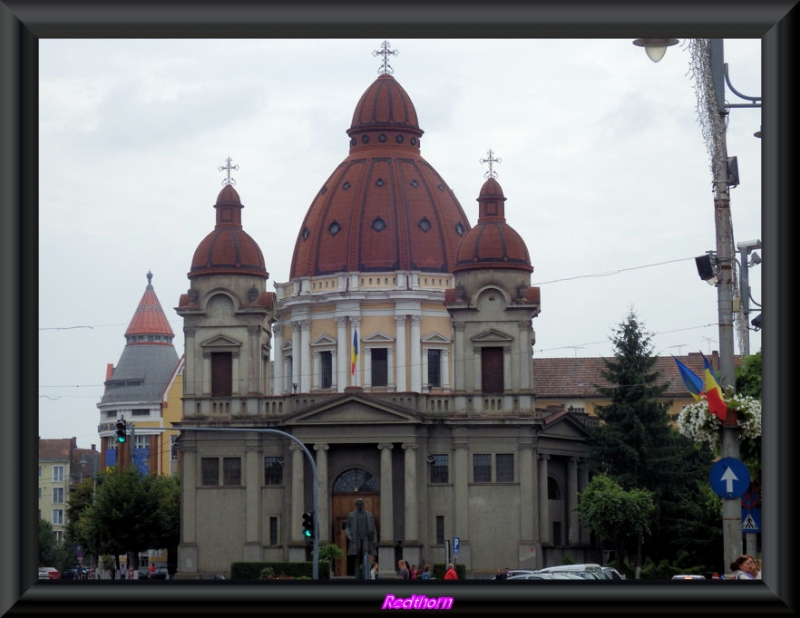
<point>587,571</point>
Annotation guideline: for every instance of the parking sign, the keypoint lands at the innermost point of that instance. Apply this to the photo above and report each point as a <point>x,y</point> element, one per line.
<point>456,546</point>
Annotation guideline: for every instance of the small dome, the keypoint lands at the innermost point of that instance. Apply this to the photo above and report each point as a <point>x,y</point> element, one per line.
<point>492,243</point>
<point>228,250</point>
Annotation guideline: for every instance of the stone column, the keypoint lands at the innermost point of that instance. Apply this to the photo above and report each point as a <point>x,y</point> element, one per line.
<point>236,384</point>
<point>252,478</point>
<point>410,478</point>
<point>583,481</point>
<point>278,380</point>
<point>190,369</point>
<point>415,356</point>
<point>572,501</point>
<point>459,350</point>
<point>323,498</point>
<point>305,357</point>
<point>187,550</point>
<point>298,498</point>
<point>544,503</point>
<point>460,481</point>
<point>342,363</point>
<point>296,327</point>
<point>206,374</point>
<point>402,358</point>
<point>253,358</point>
<point>387,493</point>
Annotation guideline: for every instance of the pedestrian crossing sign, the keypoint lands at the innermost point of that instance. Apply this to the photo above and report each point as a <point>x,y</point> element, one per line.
<point>751,520</point>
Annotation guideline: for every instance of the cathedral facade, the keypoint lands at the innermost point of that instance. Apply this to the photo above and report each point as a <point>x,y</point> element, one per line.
<point>395,365</point>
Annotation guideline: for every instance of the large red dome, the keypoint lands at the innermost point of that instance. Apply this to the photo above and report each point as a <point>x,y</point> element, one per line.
<point>384,208</point>
<point>228,250</point>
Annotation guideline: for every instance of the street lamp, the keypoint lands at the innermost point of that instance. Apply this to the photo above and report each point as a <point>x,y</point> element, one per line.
<point>745,262</point>
<point>711,73</point>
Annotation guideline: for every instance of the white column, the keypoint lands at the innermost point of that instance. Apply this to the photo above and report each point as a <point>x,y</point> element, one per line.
<point>387,493</point>
<point>459,375</point>
<point>298,499</point>
<point>190,370</point>
<point>415,356</point>
<point>277,378</point>
<point>206,373</point>
<point>305,357</point>
<point>342,361</point>
<point>296,328</point>
<point>323,499</point>
<point>315,378</point>
<point>391,380</point>
<point>236,384</point>
<point>445,369</point>
<point>410,477</point>
<point>402,359</point>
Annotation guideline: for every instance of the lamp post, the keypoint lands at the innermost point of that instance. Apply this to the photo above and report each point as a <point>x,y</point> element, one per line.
<point>712,75</point>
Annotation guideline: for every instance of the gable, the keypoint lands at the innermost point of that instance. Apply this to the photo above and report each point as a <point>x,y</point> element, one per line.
<point>435,338</point>
<point>491,336</point>
<point>378,337</point>
<point>354,411</point>
<point>563,426</point>
<point>221,341</point>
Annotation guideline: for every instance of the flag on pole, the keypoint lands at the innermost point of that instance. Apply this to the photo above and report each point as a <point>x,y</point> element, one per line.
<point>354,356</point>
<point>714,392</point>
<point>693,382</point>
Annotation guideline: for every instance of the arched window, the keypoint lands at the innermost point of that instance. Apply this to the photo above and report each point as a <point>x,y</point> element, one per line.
<point>355,480</point>
<point>553,490</point>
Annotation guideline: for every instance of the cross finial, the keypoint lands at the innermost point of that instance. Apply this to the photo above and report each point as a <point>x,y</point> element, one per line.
<point>384,51</point>
<point>490,160</point>
<point>227,168</point>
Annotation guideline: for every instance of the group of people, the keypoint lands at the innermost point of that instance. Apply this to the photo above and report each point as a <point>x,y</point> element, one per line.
<point>501,574</point>
<point>412,572</point>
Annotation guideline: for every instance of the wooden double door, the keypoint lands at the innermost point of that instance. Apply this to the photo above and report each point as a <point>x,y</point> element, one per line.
<point>341,505</point>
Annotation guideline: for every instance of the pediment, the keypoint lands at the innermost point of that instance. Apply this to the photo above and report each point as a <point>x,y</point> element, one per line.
<point>221,341</point>
<point>353,410</point>
<point>378,337</point>
<point>491,336</point>
<point>435,338</point>
<point>324,340</point>
<point>563,426</point>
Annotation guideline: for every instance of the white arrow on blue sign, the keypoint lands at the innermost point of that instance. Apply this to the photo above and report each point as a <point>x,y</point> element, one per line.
<point>729,478</point>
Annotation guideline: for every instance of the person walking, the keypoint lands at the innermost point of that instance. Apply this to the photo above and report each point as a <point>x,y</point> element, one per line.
<point>426,572</point>
<point>402,570</point>
<point>451,572</point>
<point>373,572</point>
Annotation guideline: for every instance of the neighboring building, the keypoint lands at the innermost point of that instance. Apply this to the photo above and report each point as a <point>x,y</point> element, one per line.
<point>402,361</point>
<point>137,389</point>
<point>62,467</point>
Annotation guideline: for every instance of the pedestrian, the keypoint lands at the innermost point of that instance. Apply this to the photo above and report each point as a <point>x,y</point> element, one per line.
<point>412,572</point>
<point>151,570</point>
<point>402,570</point>
<point>426,571</point>
<point>373,572</point>
<point>499,574</point>
<point>744,567</point>
<point>418,574</point>
<point>451,572</point>
<point>505,573</point>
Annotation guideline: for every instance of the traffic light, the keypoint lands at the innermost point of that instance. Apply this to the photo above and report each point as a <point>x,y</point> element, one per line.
<point>122,431</point>
<point>308,525</point>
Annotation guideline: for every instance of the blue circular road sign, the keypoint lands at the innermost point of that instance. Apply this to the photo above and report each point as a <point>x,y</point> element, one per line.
<point>729,478</point>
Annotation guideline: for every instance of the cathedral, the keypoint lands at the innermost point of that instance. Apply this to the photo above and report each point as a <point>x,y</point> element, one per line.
<point>395,366</point>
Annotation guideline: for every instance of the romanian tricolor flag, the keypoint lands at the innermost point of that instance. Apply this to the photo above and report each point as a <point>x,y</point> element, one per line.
<point>713,393</point>
<point>693,382</point>
<point>354,355</point>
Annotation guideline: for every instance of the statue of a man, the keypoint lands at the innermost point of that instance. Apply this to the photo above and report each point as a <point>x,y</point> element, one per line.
<point>362,537</point>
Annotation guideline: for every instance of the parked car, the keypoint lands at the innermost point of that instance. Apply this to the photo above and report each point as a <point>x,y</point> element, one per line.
<point>73,573</point>
<point>585,571</point>
<point>688,576</point>
<point>49,573</point>
<point>550,576</point>
<point>613,573</point>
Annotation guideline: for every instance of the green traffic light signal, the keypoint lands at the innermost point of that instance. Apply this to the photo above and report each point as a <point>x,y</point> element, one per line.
<point>122,431</point>
<point>308,524</point>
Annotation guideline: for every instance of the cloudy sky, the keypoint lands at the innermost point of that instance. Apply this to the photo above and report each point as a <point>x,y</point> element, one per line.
<point>603,164</point>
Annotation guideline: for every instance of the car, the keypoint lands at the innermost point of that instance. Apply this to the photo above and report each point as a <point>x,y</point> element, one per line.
<point>613,573</point>
<point>49,573</point>
<point>688,576</point>
<point>585,571</point>
<point>73,573</point>
<point>160,573</point>
<point>515,572</point>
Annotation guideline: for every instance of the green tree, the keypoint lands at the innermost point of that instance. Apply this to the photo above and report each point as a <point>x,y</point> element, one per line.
<point>616,515</point>
<point>748,382</point>
<point>636,446</point>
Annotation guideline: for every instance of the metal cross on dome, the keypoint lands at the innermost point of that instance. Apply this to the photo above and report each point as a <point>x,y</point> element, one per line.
<point>384,51</point>
<point>490,159</point>
<point>227,168</point>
